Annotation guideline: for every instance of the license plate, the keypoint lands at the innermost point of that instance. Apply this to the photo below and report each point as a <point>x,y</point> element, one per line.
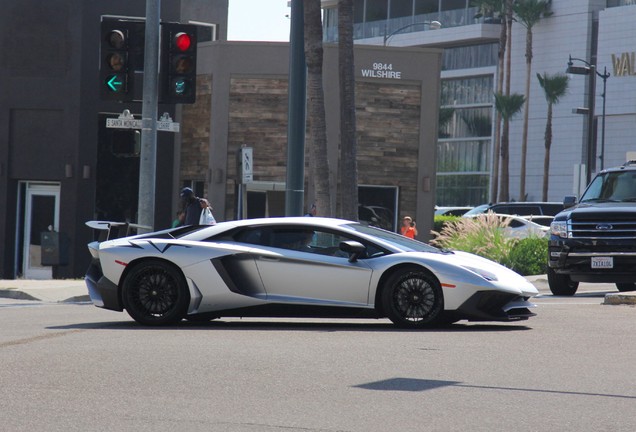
<point>602,262</point>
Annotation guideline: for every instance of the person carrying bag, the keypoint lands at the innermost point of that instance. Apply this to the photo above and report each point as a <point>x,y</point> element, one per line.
<point>206,218</point>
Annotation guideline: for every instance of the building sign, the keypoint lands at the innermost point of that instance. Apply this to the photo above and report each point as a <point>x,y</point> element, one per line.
<point>624,64</point>
<point>381,70</point>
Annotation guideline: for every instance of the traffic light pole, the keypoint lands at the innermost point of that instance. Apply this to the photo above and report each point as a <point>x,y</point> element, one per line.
<point>148,159</point>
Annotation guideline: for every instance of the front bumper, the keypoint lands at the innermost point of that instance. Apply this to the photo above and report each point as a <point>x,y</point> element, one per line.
<point>575,260</point>
<point>496,306</point>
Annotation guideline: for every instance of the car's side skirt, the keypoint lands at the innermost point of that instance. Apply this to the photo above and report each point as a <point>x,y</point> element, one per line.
<point>277,310</point>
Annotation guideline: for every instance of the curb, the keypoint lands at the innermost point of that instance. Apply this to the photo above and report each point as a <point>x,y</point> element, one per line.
<point>620,299</point>
<point>16,294</point>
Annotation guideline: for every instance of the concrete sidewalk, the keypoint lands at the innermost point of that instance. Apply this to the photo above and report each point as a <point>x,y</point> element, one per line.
<point>74,290</point>
<point>50,290</point>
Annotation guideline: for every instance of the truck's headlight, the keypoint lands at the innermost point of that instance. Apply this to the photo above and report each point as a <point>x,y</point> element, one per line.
<point>559,229</point>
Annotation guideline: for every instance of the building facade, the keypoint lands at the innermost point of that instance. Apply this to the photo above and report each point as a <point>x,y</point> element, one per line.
<point>59,164</point>
<point>243,102</point>
<point>595,31</point>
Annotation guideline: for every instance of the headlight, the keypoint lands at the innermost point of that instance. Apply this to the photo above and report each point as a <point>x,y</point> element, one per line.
<point>559,229</point>
<point>483,273</point>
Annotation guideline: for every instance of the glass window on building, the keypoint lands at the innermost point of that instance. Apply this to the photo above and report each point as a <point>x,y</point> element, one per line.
<point>376,10</point>
<point>358,11</point>
<point>469,57</point>
<point>465,139</point>
<point>454,13</point>
<point>426,6</point>
<point>401,8</point>
<point>462,190</point>
<point>454,4</point>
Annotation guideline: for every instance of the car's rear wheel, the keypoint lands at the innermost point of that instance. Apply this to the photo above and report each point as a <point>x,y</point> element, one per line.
<point>155,293</point>
<point>561,284</point>
<point>622,287</point>
<point>411,298</point>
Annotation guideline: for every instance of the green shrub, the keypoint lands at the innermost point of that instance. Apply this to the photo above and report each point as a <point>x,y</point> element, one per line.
<point>529,256</point>
<point>440,221</point>
<point>483,236</point>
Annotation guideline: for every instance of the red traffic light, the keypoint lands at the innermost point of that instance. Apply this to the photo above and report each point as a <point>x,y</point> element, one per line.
<point>183,41</point>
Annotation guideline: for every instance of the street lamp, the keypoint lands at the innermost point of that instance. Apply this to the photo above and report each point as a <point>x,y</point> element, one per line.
<point>432,25</point>
<point>590,69</point>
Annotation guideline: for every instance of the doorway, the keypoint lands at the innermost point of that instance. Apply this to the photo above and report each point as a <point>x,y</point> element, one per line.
<point>40,212</point>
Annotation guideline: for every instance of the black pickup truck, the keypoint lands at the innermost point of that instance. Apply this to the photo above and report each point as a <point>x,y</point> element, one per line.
<point>594,240</point>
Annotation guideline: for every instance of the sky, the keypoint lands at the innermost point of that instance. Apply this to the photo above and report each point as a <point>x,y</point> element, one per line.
<point>258,20</point>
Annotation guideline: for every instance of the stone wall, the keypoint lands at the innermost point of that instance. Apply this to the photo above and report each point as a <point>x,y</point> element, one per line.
<point>388,119</point>
<point>388,133</point>
<point>195,134</point>
<point>257,119</point>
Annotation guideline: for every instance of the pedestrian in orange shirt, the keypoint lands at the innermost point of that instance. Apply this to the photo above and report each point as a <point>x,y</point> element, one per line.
<point>408,228</point>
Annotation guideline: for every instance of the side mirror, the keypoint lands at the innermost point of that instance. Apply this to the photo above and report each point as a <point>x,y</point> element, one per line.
<point>353,248</point>
<point>569,201</point>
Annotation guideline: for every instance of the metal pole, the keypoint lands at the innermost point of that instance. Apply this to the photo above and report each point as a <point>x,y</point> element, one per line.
<point>604,76</point>
<point>591,147</point>
<point>295,185</point>
<point>148,162</point>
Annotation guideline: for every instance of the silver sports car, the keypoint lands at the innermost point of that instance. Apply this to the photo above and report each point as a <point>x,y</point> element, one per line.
<point>299,267</point>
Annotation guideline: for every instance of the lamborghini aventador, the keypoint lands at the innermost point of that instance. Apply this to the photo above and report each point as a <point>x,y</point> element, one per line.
<point>299,267</point>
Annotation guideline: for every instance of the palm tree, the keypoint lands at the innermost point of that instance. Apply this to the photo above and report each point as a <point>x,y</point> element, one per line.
<point>508,106</point>
<point>529,13</point>
<point>318,161</point>
<point>348,147</point>
<point>554,87</point>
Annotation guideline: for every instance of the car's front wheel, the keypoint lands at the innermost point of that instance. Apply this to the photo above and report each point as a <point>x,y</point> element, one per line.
<point>561,284</point>
<point>411,298</point>
<point>155,293</point>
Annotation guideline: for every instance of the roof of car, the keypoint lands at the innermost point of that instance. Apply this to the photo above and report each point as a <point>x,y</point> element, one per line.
<point>629,165</point>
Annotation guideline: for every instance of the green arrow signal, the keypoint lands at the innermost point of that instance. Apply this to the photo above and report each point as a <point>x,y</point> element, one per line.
<point>114,83</point>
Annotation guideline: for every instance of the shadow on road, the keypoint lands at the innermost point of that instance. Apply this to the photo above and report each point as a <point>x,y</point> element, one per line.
<point>252,324</point>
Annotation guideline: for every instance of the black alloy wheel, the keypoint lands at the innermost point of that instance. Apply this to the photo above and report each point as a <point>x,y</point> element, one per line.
<point>155,293</point>
<point>413,299</point>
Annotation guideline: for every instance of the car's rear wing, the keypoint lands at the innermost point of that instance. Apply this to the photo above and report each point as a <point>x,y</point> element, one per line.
<point>109,230</point>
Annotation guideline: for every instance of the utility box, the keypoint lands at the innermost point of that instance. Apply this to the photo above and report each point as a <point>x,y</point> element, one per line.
<point>54,248</point>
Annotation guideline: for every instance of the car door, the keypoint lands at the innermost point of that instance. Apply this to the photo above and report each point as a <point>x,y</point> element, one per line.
<point>303,265</point>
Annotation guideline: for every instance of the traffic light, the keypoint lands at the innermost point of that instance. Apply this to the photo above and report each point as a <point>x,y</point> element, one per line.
<point>121,53</point>
<point>178,63</point>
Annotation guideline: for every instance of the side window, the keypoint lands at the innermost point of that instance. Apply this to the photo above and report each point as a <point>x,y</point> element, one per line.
<point>293,238</point>
<point>315,241</point>
<point>256,236</point>
<point>515,223</point>
<point>302,239</point>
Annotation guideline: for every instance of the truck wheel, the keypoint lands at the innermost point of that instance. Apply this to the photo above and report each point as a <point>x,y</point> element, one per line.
<point>561,285</point>
<point>622,287</point>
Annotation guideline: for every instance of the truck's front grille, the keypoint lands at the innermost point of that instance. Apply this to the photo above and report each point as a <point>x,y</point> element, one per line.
<point>605,228</point>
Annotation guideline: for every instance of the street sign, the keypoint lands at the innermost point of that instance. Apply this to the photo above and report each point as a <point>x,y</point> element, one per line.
<point>166,124</point>
<point>247,166</point>
<point>119,123</point>
<point>126,120</point>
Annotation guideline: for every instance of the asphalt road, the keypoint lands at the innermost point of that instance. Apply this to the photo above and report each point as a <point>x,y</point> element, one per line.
<point>68,367</point>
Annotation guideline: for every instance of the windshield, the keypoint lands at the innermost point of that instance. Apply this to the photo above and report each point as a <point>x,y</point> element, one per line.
<point>396,240</point>
<point>477,210</point>
<point>612,186</point>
